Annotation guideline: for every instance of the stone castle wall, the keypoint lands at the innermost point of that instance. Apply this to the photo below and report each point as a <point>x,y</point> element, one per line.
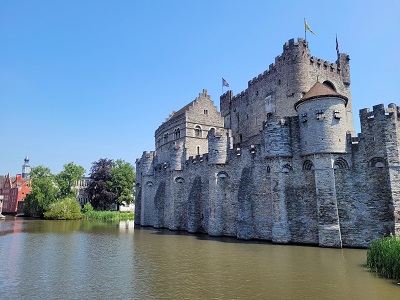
<point>284,179</point>
<point>277,89</point>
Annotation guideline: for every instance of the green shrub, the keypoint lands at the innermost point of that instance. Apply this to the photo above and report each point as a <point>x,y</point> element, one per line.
<point>383,257</point>
<point>64,209</point>
<point>87,208</point>
<point>107,215</point>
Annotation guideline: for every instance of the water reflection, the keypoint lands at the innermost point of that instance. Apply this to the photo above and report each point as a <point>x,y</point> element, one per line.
<point>99,260</point>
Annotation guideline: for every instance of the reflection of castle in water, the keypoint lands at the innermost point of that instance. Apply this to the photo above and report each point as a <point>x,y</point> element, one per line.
<point>280,161</point>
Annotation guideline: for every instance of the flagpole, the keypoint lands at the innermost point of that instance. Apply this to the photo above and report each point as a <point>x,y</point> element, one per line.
<point>305,30</point>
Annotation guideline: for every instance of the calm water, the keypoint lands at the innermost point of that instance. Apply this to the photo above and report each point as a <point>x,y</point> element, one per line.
<point>84,260</point>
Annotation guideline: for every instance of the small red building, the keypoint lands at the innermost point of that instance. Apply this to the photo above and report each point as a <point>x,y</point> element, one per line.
<point>14,191</point>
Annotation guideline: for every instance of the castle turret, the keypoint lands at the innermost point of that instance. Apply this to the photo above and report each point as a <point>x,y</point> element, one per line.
<point>146,163</point>
<point>218,145</point>
<point>323,132</point>
<point>323,122</point>
<point>177,154</point>
<point>277,137</point>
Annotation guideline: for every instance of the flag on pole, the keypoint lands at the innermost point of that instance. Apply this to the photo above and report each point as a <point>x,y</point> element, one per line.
<point>308,27</point>
<point>337,47</point>
<point>224,82</point>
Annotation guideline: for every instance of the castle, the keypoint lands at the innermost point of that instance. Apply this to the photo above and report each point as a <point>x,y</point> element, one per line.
<point>279,162</point>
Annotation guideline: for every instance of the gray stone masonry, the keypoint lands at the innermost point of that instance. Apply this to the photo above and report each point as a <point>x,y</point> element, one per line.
<point>280,162</point>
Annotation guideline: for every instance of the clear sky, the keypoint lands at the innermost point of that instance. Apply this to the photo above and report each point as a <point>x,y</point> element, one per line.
<point>87,79</point>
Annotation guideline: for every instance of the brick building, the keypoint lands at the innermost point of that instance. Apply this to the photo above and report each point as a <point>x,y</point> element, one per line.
<point>14,189</point>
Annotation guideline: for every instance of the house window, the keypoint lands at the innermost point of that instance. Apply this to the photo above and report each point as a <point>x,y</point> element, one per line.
<point>198,150</point>
<point>206,112</point>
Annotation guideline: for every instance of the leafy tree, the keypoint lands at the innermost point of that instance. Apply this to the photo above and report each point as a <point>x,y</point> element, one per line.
<point>65,209</point>
<point>99,194</point>
<point>43,191</point>
<point>122,182</point>
<point>67,178</point>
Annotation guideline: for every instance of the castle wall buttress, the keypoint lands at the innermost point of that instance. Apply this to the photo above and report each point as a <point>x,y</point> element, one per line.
<point>328,216</point>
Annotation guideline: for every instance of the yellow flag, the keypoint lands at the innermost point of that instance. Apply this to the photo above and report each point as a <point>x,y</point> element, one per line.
<point>308,27</point>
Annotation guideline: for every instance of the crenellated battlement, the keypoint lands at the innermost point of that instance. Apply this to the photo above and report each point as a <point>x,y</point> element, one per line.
<point>317,62</point>
<point>379,110</point>
<point>291,44</point>
<point>225,101</point>
<point>238,97</point>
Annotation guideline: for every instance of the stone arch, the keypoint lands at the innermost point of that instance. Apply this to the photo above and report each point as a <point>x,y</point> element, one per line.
<point>329,84</point>
<point>179,180</point>
<point>149,183</point>
<point>287,168</point>
<point>340,163</point>
<point>377,162</point>
<point>308,165</point>
<point>222,175</point>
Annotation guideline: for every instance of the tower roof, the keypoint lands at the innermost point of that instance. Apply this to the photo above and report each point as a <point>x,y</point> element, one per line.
<point>319,90</point>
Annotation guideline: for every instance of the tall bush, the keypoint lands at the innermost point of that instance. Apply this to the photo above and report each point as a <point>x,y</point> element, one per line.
<point>383,257</point>
<point>64,209</point>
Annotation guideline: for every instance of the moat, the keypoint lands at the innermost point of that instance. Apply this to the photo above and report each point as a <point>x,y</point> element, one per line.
<point>95,260</point>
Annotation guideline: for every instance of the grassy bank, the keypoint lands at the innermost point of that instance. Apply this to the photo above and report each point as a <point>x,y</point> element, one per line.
<point>383,257</point>
<point>107,215</point>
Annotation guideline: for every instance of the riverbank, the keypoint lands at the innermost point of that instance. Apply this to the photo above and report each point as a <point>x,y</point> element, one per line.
<point>107,215</point>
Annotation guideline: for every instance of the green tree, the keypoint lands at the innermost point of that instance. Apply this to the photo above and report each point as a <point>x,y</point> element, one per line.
<point>122,182</point>
<point>44,191</point>
<point>65,209</point>
<point>67,179</point>
<point>99,194</point>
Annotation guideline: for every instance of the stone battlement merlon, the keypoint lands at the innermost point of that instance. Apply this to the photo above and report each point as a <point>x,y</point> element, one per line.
<point>239,96</point>
<point>291,44</point>
<point>320,62</point>
<point>379,109</point>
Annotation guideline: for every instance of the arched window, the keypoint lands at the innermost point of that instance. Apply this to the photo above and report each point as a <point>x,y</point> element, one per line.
<point>340,163</point>
<point>179,180</point>
<point>377,162</point>
<point>197,131</point>
<point>329,84</point>
<point>177,133</point>
<point>222,175</point>
<point>287,168</point>
<point>308,165</point>
<point>165,137</point>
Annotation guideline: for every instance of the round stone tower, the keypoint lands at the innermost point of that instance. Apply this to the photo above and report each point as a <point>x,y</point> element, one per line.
<point>323,121</point>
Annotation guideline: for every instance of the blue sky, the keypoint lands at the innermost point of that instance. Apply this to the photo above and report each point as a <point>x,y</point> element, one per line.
<point>83,80</point>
